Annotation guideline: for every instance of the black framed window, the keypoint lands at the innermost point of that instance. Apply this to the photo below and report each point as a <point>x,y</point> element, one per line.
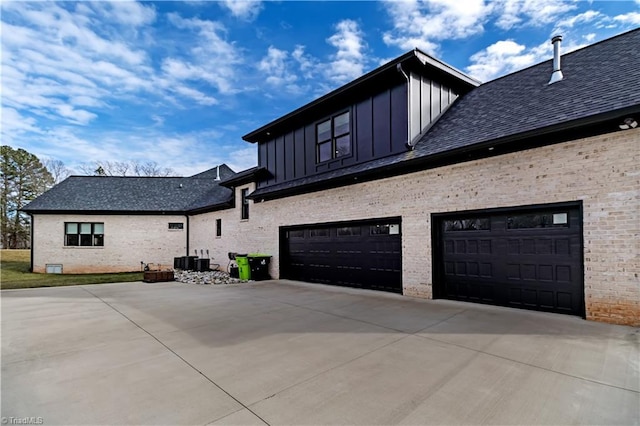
<point>348,231</point>
<point>320,232</point>
<point>176,226</point>
<point>244,214</point>
<point>218,227</point>
<point>379,229</point>
<point>83,234</point>
<point>471,224</point>
<point>544,220</point>
<point>333,137</point>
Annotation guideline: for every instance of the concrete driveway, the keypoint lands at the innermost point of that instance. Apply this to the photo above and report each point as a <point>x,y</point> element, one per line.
<point>281,352</point>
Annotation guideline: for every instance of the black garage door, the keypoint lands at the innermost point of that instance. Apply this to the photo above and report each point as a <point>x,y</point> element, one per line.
<point>364,254</point>
<point>525,258</point>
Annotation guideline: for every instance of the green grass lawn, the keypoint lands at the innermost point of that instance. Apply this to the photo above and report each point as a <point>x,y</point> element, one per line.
<point>14,273</point>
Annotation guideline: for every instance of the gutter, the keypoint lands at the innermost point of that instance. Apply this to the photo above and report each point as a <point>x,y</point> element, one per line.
<point>32,239</point>
<point>187,216</point>
<point>592,126</point>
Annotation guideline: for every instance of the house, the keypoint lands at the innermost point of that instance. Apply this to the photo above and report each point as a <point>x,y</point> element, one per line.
<point>115,224</point>
<point>415,178</point>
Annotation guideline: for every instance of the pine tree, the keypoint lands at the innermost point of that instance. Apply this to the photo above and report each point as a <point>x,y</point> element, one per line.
<point>23,178</point>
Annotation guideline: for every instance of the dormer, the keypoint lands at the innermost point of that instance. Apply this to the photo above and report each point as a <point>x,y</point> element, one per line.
<point>377,115</point>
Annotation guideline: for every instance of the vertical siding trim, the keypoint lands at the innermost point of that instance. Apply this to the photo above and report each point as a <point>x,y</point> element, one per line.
<point>390,120</point>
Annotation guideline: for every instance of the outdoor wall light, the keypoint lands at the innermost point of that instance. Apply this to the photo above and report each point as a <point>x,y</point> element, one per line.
<point>628,123</point>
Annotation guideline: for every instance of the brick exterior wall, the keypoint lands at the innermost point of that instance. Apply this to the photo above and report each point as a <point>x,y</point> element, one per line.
<point>128,240</point>
<point>601,171</point>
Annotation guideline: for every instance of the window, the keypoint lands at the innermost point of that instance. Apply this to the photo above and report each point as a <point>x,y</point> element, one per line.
<point>473,224</point>
<point>545,220</point>
<point>321,232</point>
<point>244,214</point>
<point>379,230</point>
<point>218,227</point>
<point>296,234</point>
<point>84,234</point>
<point>333,138</point>
<point>349,231</point>
<point>176,225</point>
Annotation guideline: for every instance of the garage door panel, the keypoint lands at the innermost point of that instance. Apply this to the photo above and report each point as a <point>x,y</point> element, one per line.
<point>525,259</point>
<point>363,254</point>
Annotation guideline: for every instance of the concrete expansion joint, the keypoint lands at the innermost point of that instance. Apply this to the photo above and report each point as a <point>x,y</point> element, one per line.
<point>479,351</point>
<point>337,316</point>
<point>174,353</point>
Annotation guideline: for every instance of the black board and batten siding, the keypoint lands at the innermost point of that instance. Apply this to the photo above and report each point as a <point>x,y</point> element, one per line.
<point>378,128</point>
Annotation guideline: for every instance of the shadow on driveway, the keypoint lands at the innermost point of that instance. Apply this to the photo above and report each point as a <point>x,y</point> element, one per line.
<point>282,352</point>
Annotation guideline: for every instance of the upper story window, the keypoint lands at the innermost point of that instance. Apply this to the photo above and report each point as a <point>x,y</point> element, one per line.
<point>333,138</point>
<point>218,227</point>
<point>244,213</point>
<point>84,234</point>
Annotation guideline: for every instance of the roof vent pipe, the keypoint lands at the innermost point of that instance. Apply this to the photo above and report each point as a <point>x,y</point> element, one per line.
<point>217,173</point>
<point>557,72</point>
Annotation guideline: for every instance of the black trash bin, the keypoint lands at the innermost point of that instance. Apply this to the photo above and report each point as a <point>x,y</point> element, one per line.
<point>233,271</point>
<point>202,265</point>
<point>189,262</point>
<point>178,263</point>
<point>259,265</point>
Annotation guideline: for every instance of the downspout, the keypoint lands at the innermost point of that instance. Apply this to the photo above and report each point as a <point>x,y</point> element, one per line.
<point>406,77</point>
<point>187,216</point>
<point>31,238</point>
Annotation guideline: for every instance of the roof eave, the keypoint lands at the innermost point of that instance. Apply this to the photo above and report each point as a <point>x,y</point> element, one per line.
<point>462,154</point>
<point>247,176</point>
<point>105,212</point>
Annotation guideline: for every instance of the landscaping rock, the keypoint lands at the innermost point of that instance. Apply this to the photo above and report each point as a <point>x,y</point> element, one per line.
<point>205,278</point>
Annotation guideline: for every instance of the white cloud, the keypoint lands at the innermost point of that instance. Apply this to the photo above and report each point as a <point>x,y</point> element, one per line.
<point>423,23</point>
<point>212,58</point>
<point>247,10</point>
<point>507,56</point>
<point>241,159</point>
<point>500,58</point>
<point>632,18</point>
<point>56,65</point>
<point>196,95</point>
<point>349,61</point>
<point>306,63</point>
<point>571,21</point>
<point>276,68</point>
<point>15,124</point>
<point>529,12</point>
<point>126,12</point>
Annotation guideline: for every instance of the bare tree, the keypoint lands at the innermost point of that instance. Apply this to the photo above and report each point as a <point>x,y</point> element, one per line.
<point>125,168</point>
<point>151,168</point>
<point>58,170</point>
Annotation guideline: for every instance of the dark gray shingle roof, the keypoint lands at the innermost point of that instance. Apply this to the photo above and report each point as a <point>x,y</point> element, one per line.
<point>597,79</point>
<point>130,194</point>
<point>224,171</point>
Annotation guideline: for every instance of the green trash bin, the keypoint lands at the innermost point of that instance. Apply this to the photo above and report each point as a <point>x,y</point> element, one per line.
<point>244,270</point>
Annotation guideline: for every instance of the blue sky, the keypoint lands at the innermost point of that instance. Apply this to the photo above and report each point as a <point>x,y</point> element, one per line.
<point>179,83</point>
